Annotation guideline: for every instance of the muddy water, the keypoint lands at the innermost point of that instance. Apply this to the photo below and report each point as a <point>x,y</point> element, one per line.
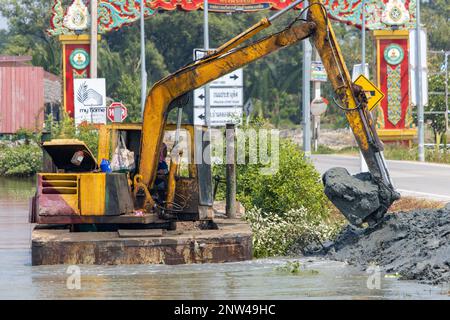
<point>257,279</point>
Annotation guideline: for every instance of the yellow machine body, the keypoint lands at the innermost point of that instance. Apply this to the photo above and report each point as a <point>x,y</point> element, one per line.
<point>146,140</point>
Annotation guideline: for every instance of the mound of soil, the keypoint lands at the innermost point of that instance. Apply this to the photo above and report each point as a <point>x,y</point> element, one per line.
<point>414,244</point>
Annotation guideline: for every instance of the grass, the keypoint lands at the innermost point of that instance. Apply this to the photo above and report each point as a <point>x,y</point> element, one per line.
<point>411,203</point>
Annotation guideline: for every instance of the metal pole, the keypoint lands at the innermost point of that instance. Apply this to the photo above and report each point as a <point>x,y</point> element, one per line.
<point>363,38</point>
<point>420,108</point>
<point>316,119</point>
<point>143,65</point>
<point>207,136</point>
<point>206,47</point>
<point>281,12</point>
<point>94,31</point>
<point>446,98</point>
<point>306,101</point>
<point>230,207</point>
<point>362,162</point>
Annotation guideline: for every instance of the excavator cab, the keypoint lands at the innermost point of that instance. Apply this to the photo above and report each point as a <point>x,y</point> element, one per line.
<point>187,190</point>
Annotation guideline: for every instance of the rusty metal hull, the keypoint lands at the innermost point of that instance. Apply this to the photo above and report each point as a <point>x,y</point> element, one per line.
<point>231,242</point>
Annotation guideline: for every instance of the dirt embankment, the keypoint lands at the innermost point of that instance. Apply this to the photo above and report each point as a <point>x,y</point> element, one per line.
<point>414,244</point>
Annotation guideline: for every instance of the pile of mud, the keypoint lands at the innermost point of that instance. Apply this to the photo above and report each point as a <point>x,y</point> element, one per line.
<point>414,244</point>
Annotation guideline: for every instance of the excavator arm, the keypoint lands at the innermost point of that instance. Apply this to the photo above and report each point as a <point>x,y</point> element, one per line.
<point>230,57</point>
<point>193,76</point>
<point>362,198</point>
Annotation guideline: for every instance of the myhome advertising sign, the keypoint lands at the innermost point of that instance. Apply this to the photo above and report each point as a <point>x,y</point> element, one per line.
<point>90,101</point>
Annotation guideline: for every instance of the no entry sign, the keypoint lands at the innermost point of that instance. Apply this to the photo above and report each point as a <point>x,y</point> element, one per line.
<point>117,112</point>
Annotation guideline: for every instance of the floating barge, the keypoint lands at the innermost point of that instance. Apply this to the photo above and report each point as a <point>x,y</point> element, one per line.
<point>230,242</point>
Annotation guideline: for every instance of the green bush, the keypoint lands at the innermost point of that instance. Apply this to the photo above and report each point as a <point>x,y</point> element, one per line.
<point>25,134</point>
<point>296,184</point>
<point>23,160</point>
<point>26,160</point>
<point>65,129</point>
<point>285,207</point>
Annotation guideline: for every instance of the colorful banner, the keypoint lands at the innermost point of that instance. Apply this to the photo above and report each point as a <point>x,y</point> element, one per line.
<point>74,68</point>
<point>114,14</point>
<point>395,122</point>
<point>394,81</point>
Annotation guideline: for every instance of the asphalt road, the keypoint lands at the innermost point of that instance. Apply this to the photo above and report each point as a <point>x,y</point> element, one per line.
<point>425,180</point>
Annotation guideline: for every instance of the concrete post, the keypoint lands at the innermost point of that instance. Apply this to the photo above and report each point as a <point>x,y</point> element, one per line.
<point>143,64</point>
<point>230,208</point>
<point>94,33</point>
<point>306,96</point>
<point>420,108</point>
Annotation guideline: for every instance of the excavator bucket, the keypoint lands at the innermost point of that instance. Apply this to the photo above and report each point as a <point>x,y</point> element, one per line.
<point>360,198</point>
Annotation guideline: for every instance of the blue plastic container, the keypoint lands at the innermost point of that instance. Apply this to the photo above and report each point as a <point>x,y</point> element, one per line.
<point>105,166</point>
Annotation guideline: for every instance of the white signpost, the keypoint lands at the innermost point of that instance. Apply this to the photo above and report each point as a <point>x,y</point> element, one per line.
<point>219,116</point>
<point>90,100</point>
<point>220,97</point>
<point>226,98</point>
<point>233,79</point>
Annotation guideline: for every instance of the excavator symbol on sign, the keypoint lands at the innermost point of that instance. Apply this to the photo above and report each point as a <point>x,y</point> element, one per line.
<point>373,94</point>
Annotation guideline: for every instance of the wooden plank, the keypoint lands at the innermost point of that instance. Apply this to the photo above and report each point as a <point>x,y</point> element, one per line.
<point>140,233</point>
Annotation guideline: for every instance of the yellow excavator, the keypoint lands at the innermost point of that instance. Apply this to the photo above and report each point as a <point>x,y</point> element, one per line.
<point>77,194</point>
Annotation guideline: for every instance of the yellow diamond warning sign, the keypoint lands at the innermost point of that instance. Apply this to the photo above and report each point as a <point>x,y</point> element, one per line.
<point>374,95</point>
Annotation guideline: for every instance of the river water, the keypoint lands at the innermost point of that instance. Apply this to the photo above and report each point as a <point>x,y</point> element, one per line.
<point>257,279</point>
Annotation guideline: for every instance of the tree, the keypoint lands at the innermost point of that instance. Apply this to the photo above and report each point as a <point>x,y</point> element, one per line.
<point>274,82</point>
<point>28,21</point>
<point>436,18</point>
<point>436,103</point>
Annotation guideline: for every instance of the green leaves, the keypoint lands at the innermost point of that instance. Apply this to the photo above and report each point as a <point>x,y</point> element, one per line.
<point>22,160</point>
<point>296,184</point>
<point>28,21</point>
<point>283,208</point>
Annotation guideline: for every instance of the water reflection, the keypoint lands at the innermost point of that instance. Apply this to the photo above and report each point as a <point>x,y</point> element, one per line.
<point>256,279</point>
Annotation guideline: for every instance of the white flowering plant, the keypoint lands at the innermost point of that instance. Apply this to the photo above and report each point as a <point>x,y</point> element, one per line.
<point>274,234</point>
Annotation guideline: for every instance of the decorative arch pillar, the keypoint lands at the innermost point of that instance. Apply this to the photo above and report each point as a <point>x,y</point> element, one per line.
<point>394,114</point>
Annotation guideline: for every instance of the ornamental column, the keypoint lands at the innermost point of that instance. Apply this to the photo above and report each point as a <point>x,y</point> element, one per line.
<point>76,65</point>
<point>394,115</point>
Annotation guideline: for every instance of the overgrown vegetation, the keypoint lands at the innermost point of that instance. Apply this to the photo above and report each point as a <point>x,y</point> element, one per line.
<point>294,184</point>
<point>274,234</point>
<point>65,129</point>
<point>20,160</point>
<point>22,156</point>
<point>295,268</point>
<point>285,207</point>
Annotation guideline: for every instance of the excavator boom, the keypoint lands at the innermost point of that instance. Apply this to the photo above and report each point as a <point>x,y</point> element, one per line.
<point>348,197</point>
